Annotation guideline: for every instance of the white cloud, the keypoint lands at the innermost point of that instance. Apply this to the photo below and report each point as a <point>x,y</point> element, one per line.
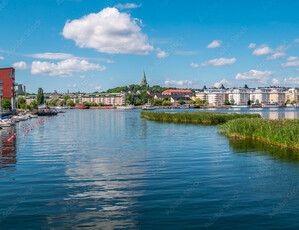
<point>64,68</point>
<point>275,81</point>
<point>51,56</point>
<point>20,65</point>
<point>194,65</point>
<point>276,55</point>
<point>162,54</point>
<point>127,6</point>
<point>252,45</point>
<point>82,76</point>
<point>215,44</point>
<point>255,76</point>
<point>294,62</point>
<point>296,40</point>
<point>262,50</point>
<point>225,82</point>
<point>220,61</point>
<point>98,87</point>
<point>1,58</point>
<point>169,82</point>
<point>291,81</point>
<point>292,58</point>
<point>108,31</point>
<point>74,85</point>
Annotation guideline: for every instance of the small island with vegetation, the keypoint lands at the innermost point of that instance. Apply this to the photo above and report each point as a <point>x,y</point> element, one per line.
<point>284,133</point>
<point>196,117</point>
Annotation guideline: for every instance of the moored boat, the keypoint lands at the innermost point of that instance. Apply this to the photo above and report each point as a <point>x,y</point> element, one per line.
<point>271,106</point>
<point>239,106</point>
<point>125,107</point>
<point>81,107</point>
<point>148,106</point>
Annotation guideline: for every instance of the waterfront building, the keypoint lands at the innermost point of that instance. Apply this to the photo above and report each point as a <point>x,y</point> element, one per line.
<point>175,100</point>
<point>278,96</point>
<point>7,80</point>
<point>240,96</point>
<point>292,95</point>
<point>177,93</point>
<point>260,96</point>
<point>106,98</point>
<point>216,97</point>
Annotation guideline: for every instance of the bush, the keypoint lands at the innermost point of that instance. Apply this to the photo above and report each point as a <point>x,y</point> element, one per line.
<point>166,103</point>
<point>70,102</point>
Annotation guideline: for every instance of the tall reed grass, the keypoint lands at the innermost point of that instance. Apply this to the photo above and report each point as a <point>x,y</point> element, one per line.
<point>277,132</point>
<point>196,117</point>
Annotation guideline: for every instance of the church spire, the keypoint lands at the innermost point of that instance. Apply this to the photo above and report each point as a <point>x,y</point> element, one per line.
<point>144,81</point>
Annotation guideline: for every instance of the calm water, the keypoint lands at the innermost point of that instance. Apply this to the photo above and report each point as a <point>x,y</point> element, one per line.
<point>114,170</point>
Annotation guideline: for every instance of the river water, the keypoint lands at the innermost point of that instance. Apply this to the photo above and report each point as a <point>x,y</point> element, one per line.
<point>97,169</point>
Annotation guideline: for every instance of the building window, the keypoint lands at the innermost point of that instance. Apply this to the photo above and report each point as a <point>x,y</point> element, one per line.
<point>11,93</point>
<point>11,87</point>
<point>1,93</point>
<point>1,81</point>
<point>9,74</point>
<point>1,87</point>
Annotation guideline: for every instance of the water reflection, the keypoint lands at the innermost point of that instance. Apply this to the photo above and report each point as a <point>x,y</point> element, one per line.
<point>8,158</point>
<point>251,147</point>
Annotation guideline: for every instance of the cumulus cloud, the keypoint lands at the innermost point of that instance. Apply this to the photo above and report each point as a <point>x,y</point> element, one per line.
<point>255,76</point>
<point>1,58</point>
<point>220,61</point>
<point>275,81</point>
<point>291,62</point>
<point>180,83</point>
<point>276,55</point>
<point>262,50</point>
<point>194,65</point>
<point>252,45</point>
<point>292,58</point>
<point>98,87</point>
<point>215,44</point>
<point>162,54</point>
<point>127,6</point>
<point>296,40</point>
<point>108,31</point>
<point>20,65</point>
<point>291,81</point>
<point>224,82</point>
<point>64,68</point>
<point>82,76</point>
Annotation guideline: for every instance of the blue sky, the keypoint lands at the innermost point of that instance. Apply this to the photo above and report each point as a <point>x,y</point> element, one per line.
<point>92,45</point>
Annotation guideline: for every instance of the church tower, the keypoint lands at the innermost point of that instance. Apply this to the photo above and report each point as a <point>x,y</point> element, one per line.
<point>143,81</point>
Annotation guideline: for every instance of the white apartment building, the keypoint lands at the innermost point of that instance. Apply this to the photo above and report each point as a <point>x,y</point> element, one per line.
<point>215,97</point>
<point>260,96</point>
<point>240,96</point>
<point>106,98</point>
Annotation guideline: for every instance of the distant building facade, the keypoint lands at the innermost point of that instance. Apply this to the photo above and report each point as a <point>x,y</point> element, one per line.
<point>177,93</point>
<point>19,88</point>
<point>106,98</point>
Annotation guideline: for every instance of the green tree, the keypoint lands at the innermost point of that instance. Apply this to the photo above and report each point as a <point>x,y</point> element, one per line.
<point>157,102</point>
<point>257,101</point>
<point>20,100</point>
<point>226,102</point>
<point>40,99</point>
<point>6,103</point>
<point>66,97</point>
<point>34,104</point>
<point>77,101</point>
<point>181,102</point>
<point>86,103</point>
<point>101,104</point>
<point>70,102</point>
<point>232,101</point>
<point>288,101</point>
<point>166,103</point>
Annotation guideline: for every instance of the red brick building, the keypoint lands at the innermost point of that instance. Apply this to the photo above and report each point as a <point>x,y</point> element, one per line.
<point>7,79</point>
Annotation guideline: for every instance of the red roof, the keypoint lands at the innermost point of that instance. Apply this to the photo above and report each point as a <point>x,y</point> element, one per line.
<point>177,91</point>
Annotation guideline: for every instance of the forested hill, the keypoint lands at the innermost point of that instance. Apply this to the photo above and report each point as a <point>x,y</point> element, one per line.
<point>134,88</point>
